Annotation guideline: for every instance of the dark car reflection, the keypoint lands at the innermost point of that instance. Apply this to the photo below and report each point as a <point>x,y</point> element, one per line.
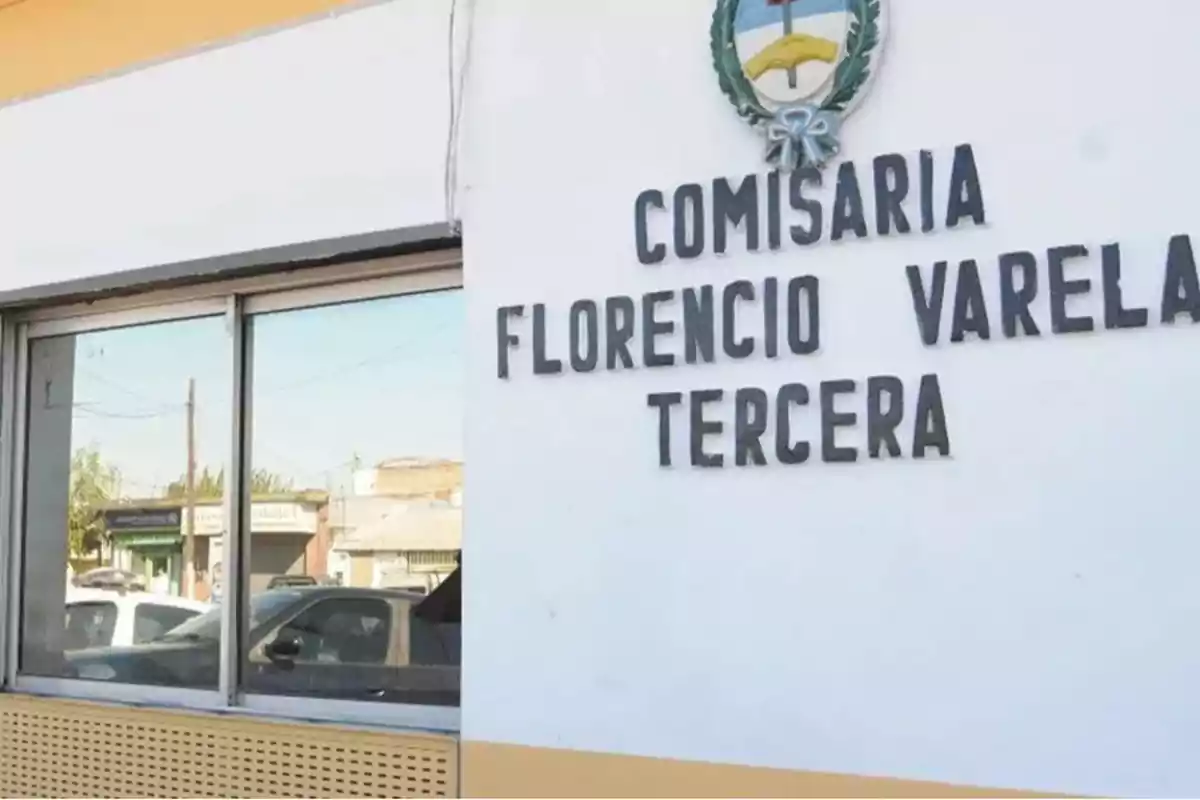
<point>324,641</point>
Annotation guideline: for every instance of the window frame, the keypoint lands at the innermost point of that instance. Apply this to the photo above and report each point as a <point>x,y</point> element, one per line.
<point>7,414</point>
<point>237,301</point>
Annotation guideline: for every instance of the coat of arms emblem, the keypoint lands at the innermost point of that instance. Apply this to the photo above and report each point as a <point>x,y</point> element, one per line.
<point>795,68</point>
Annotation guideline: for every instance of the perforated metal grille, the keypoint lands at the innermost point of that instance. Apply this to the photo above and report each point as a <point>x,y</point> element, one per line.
<point>53,748</point>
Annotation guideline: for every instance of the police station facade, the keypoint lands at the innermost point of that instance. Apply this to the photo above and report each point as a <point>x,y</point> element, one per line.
<point>824,393</point>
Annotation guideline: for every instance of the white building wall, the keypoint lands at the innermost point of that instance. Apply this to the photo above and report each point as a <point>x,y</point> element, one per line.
<point>324,130</point>
<point>364,482</point>
<point>1021,614</point>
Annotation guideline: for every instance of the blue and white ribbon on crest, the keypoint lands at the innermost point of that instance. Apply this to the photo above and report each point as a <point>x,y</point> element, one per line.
<point>801,136</point>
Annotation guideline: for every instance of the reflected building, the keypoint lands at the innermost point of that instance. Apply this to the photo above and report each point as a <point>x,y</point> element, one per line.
<point>147,540</point>
<point>400,527</point>
<point>291,537</point>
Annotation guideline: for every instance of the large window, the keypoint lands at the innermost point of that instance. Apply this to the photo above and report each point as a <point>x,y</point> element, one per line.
<point>363,399</point>
<point>248,493</point>
<point>112,418</point>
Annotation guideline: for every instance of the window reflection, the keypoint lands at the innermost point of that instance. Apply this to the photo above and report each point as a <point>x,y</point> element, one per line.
<point>356,499</point>
<point>107,569</point>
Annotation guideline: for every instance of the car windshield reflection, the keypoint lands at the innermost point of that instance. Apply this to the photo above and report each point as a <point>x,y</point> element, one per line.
<point>207,626</point>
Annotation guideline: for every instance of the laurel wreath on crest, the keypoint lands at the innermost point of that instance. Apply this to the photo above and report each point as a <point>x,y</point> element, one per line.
<point>849,77</point>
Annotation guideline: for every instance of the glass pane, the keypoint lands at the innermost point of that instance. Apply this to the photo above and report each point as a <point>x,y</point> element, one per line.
<point>356,512</point>
<point>107,500</point>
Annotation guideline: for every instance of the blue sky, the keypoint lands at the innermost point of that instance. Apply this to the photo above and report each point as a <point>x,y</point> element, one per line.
<point>377,379</point>
<point>757,13</point>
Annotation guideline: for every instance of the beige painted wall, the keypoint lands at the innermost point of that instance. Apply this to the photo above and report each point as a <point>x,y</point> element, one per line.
<point>49,45</point>
<point>497,770</point>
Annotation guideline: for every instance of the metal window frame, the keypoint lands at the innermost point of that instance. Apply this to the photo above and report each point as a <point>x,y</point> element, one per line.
<point>236,509</point>
<point>124,318</point>
<point>221,288</point>
<point>238,301</point>
<point>7,356</point>
<point>433,719</point>
<point>15,382</point>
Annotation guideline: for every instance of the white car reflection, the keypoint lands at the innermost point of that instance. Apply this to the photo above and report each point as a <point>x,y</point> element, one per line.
<point>104,618</point>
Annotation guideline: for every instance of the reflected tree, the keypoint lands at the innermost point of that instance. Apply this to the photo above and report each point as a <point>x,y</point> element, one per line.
<point>96,485</point>
<point>210,485</point>
<point>93,486</point>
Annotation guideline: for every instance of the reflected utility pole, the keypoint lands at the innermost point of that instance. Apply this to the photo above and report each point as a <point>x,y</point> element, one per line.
<point>189,542</point>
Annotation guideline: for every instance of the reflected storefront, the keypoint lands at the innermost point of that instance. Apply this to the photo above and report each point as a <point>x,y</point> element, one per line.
<point>148,542</point>
<point>294,536</point>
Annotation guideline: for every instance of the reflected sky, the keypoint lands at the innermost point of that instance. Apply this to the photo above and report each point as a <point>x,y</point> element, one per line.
<point>374,380</point>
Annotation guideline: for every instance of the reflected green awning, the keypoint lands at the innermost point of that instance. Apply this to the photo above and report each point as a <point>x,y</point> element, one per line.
<point>147,539</point>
